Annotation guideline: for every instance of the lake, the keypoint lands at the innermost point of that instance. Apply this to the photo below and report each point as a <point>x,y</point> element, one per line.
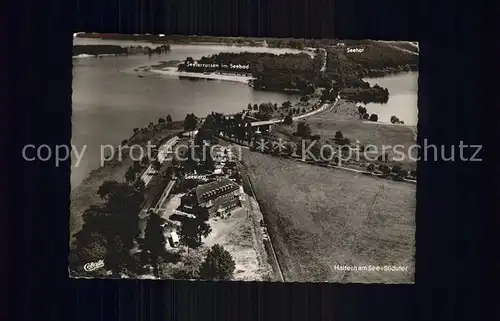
<point>403,92</point>
<point>108,101</point>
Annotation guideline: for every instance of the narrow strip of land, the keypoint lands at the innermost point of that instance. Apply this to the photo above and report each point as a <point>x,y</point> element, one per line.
<point>169,71</point>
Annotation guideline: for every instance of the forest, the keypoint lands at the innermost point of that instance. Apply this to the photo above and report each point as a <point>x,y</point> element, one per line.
<point>303,73</point>
<point>117,50</point>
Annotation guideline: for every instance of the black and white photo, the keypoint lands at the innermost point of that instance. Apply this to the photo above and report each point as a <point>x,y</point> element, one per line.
<point>244,159</point>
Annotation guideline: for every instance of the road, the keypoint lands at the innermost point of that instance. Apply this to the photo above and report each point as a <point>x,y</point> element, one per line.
<point>275,121</point>
<point>323,68</point>
<point>162,155</point>
<point>274,257</point>
<point>360,171</point>
<point>393,44</point>
<point>164,196</point>
<point>144,213</point>
<point>314,112</point>
<point>322,108</point>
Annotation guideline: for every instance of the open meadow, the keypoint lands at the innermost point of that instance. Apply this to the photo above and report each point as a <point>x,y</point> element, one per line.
<point>344,117</point>
<point>321,217</point>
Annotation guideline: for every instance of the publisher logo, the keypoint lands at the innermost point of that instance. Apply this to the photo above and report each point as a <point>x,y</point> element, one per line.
<point>93,266</point>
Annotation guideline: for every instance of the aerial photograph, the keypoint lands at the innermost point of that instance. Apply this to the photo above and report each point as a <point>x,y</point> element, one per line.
<point>243,159</point>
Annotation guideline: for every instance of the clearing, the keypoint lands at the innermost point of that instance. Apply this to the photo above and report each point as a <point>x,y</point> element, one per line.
<point>330,217</point>
<point>238,236</point>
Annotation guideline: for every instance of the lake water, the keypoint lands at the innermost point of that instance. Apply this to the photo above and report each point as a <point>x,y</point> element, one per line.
<point>403,92</point>
<point>109,101</point>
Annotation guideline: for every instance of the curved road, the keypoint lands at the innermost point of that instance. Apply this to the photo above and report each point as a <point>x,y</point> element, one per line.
<point>314,112</point>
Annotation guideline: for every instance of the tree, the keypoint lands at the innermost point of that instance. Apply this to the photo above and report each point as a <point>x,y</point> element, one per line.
<point>191,263</point>
<point>266,108</point>
<point>106,188</point>
<point>386,170</point>
<point>209,164</point>
<point>338,135</point>
<point>218,264</point>
<point>374,117</point>
<point>89,246</point>
<point>192,230</point>
<point>137,166</point>
<point>130,174</point>
<point>139,185</point>
<point>161,120</point>
<point>286,104</point>
<point>123,204</point>
<point>249,107</point>
<point>362,110</point>
<point>210,123</point>
<point>394,120</point>
<point>144,161</point>
<point>366,116</point>
<point>190,122</point>
<point>156,165</point>
<point>303,130</point>
<point>114,259</point>
<point>288,120</point>
<point>255,107</point>
<point>344,141</point>
<point>124,142</point>
<point>402,173</point>
<point>169,118</point>
<point>154,240</point>
<point>136,130</point>
<point>100,239</point>
<point>396,168</point>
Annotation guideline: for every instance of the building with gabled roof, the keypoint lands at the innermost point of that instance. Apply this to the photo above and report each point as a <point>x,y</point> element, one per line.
<point>218,198</point>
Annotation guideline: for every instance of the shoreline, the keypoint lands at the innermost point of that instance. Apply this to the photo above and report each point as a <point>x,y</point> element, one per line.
<point>172,71</point>
<point>181,45</point>
<point>389,123</point>
<point>81,56</point>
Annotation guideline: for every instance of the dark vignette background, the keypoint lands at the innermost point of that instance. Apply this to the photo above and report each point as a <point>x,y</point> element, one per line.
<point>452,198</point>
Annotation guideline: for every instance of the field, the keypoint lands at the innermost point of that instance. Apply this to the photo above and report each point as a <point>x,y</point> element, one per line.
<point>319,217</point>
<point>344,117</point>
